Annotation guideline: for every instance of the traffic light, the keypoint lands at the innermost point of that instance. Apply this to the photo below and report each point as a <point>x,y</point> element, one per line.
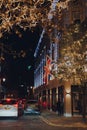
<point>29,67</point>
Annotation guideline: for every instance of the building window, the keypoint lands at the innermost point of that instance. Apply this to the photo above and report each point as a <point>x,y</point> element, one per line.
<point>75,15</point>
<point>75,2</point>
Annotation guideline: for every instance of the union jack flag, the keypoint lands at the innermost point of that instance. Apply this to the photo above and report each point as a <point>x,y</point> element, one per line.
<point>47,69</point>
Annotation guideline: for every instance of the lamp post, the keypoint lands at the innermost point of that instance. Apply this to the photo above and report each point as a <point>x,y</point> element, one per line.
<point>84,90</point>
<point>0,78</point>
<point>1,59</point>
<point>84,86</point>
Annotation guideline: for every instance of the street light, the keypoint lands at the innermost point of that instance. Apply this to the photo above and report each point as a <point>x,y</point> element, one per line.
<point>2,88</point>
<point>4,79</point>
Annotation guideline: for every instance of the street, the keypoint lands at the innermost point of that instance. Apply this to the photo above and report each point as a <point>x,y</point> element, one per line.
<point>23,123</point>
<point>32,122</point>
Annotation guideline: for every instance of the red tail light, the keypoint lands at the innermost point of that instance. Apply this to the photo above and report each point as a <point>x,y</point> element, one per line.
<point>16,105</point>
<point>8,99</point>
<point>0,105</point>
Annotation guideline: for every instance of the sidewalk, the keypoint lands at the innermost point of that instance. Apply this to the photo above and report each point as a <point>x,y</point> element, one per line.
<point>53,119</point>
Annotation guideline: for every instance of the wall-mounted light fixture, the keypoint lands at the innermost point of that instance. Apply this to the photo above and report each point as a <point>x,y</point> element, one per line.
<point>68,91</point>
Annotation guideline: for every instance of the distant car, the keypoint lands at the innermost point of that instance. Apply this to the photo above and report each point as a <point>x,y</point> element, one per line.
<point>32,107</point>
<point>8,108</point>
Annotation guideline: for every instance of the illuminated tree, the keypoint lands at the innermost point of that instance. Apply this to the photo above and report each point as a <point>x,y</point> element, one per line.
<point>72,64</point>
<point>17,15</point>
<point>25,14</point>
<point>73,54</point>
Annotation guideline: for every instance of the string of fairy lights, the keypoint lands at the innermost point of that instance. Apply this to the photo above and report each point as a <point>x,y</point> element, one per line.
<point>27,14</point>
<point>73,61</point>
<point>8,49</point>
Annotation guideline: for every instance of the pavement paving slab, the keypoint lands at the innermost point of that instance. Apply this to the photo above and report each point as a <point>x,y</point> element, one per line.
<point>53,119</point>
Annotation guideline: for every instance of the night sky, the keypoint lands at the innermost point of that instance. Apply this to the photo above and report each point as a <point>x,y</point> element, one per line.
<point>16,66</point>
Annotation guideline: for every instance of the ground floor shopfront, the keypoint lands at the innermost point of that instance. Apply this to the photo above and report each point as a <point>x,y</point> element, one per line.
<point>70,95</point>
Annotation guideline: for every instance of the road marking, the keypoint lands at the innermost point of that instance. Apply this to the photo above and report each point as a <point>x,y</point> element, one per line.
<point>61,125</point>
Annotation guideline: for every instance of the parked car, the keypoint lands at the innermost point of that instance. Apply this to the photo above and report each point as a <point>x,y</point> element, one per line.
<point>8,108</point>
<point>32,107</point>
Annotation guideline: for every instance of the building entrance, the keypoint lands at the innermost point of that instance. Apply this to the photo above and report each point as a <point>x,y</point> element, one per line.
<point>77,100</point>
<point>61,98</point>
